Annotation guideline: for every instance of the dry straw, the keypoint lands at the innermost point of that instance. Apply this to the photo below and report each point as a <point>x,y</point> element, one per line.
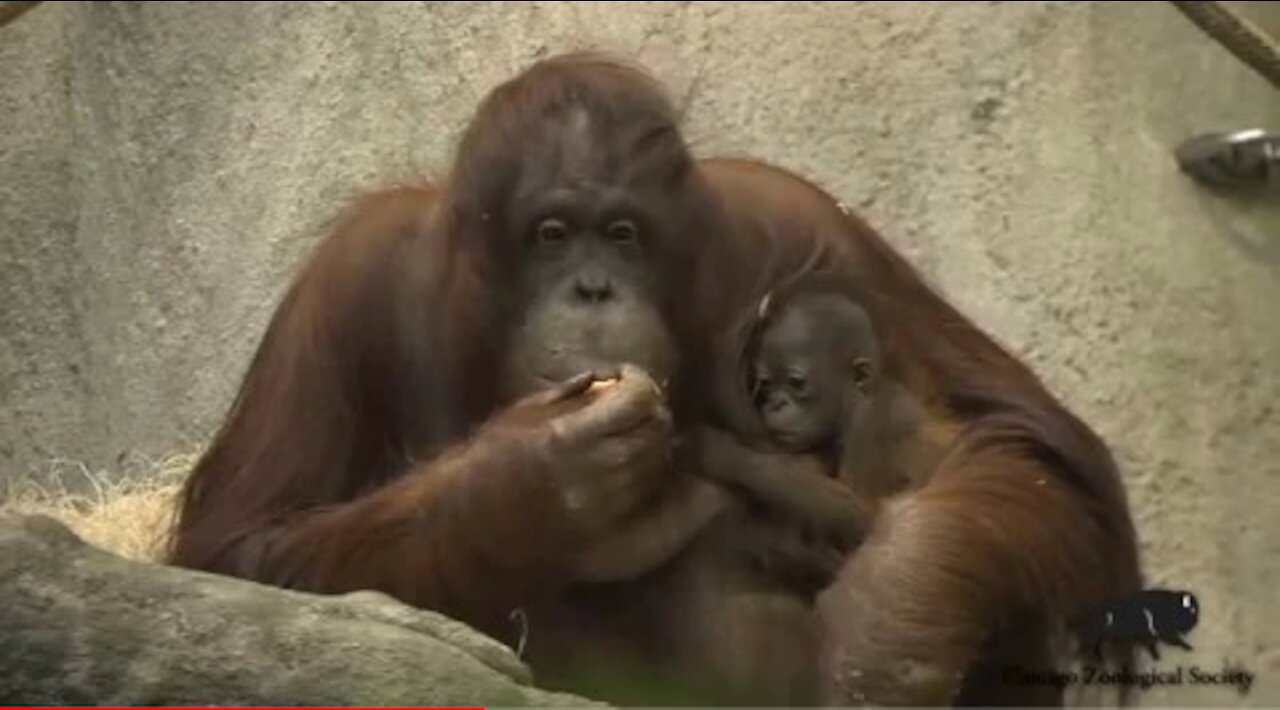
<point>125,514</point>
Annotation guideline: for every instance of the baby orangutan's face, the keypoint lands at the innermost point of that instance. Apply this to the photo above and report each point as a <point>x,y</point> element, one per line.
<point>797,384</point>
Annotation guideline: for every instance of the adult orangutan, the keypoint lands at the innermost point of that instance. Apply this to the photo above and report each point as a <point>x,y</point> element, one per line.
<point>374,441</point>
<point>415,419</point>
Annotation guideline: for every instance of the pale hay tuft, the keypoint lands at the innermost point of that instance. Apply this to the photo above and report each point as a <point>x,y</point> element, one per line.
<point>128,515</point>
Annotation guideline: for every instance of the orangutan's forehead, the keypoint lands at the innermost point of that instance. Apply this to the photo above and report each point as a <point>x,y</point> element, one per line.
<point>794,330</point>
<point>819,324</point>
<point>586,149</point>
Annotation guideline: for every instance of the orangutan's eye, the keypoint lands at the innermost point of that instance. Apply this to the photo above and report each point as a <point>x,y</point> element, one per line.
<point>623,231</point>
<point>552,231</point>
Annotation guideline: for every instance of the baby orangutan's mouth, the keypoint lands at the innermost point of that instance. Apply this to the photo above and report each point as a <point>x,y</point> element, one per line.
<point>788,440</point>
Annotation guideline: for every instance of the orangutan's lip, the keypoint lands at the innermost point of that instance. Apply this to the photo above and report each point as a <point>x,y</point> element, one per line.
<point>784,436</point>
<point>546,381</point>
<point>554,380</point>
<point>568,370</point>
<point>788,440</point>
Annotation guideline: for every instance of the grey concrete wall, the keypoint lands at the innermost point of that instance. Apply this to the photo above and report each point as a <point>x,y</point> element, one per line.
<point>164,165</point>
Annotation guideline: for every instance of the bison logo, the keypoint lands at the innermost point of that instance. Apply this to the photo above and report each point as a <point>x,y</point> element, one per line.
<point>1148,617</point>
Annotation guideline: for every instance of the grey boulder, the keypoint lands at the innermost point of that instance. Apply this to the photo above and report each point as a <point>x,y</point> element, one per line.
<point>80,626</point>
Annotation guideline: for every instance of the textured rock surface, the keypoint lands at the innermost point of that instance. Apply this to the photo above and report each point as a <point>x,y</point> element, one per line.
<point>163,166</point>
<point>84,627</point>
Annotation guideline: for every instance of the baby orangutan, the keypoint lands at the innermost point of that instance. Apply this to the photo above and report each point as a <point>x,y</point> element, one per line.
<point>816,384</point>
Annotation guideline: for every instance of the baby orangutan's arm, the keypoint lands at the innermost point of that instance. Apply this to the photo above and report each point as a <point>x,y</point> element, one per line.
<point>799,486</point>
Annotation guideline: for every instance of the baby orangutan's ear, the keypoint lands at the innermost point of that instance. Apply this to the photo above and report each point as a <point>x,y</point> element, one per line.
<point>863,372</point>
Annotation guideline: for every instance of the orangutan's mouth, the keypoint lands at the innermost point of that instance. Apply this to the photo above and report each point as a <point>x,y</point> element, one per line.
<point>789,441</point>
<point>572,368</point>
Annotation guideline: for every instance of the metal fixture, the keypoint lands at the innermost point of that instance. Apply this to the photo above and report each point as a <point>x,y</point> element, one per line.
<point>1248,158</point>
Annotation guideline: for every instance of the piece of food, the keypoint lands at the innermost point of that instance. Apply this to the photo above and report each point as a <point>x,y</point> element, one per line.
<point>601,385</point>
